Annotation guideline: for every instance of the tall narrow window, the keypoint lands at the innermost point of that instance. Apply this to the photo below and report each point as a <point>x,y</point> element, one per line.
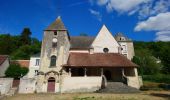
<point>37,63</point>
<point>53,61</point>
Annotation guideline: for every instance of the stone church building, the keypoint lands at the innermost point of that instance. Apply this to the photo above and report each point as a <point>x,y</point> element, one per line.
<point>80,63</point>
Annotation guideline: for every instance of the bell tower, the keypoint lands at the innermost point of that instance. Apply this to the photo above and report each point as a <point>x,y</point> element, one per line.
<point>54,53</point>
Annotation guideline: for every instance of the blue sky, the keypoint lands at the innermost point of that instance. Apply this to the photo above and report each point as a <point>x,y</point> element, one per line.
<point>141,20</point>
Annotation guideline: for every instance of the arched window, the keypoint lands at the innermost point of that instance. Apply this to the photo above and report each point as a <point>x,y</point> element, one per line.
<point>105,50</point>
<point>53,61</point>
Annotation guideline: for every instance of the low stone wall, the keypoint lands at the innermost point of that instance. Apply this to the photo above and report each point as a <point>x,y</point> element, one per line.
<point>81,84</point>
<point>5,85</point>
<point>27,85</point>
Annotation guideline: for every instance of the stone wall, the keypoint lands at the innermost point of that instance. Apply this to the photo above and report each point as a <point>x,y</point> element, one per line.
<point>27,85</point>
<point>81,84</point>
<point>4,67</point>
<point>5,85</point>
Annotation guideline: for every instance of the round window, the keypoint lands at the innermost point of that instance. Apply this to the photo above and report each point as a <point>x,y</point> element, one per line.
<point>105,50</point>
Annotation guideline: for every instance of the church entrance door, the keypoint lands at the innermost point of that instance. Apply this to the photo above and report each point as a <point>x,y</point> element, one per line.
<point>51,85</point>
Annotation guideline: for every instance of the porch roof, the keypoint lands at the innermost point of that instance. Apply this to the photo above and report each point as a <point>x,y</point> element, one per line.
<point>79,60</point>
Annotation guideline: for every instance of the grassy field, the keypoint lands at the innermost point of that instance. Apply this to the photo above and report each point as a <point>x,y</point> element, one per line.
<point>149,95</point>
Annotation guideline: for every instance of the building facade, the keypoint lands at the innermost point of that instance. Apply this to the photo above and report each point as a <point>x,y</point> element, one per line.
<point>81,63</point>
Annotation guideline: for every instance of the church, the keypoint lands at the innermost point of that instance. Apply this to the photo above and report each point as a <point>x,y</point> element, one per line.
<point>69,64</point>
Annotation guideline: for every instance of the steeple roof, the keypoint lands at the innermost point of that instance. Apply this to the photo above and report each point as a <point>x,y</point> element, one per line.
<point>56,25</point>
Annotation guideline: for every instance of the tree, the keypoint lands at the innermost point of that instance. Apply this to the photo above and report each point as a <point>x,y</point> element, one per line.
<point>26,36</point>
<point>83,34</point>
<point>16,71</point>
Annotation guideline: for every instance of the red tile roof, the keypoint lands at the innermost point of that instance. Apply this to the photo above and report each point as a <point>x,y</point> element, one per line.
<point>3,58</point>
<point>22,63</point>
<point>98,60</point>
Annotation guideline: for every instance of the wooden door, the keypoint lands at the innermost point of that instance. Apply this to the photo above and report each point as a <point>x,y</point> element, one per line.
<point>51,85</point>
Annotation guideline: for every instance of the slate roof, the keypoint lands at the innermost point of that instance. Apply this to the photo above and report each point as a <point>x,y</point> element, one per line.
<point>81,42</point>
<point>119,35</point>
<point>56,25</point>
<point>3,58</point>
<point>98,60</point>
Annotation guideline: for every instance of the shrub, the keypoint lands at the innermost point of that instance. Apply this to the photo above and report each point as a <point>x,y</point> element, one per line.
<point>160,78</point>
<point>16,71</point>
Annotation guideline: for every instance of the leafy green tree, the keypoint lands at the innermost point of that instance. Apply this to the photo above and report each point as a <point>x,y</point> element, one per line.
<point>26,36</point>
<point>16,71</point>
<point>83,34</point>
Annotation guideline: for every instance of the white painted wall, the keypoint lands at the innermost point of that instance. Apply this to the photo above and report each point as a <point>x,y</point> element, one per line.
<point>3,67</point>
<point>79,51</point>
<point>81,84</point>
<point>33,67</point>
<point>27,85</point>
<point>5,85</point>
<point>133,81</point>
<point>104,39</point>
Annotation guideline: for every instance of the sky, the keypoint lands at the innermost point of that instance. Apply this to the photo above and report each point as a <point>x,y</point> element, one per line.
<point>140,20</point>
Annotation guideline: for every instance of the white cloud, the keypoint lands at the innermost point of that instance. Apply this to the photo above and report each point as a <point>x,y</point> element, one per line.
<point>161,6</point>
<point>121,6</point>
<point>102,2</point>
<point>97,14</point>
<point>160,22</point>
<point>163,36</point>
<point>124,6</point>
<point>153,8</point>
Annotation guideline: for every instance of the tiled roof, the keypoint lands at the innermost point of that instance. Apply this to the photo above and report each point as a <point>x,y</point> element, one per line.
<point>81,42</point>
<point>3,58</point>
<point>98,60</point>
<point>22,63</point>
<point>56,25</point>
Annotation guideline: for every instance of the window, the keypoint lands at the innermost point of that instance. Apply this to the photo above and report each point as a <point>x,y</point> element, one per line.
<point>55,33</point>
<point>124,47</point>
<point>36,72</point>
<point>105,50</point>
<point>53,61</point>
<point>37,63</point>
<point>54,42</point>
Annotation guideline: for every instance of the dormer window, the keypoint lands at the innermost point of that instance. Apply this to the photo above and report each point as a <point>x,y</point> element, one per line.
<point>105,50</point>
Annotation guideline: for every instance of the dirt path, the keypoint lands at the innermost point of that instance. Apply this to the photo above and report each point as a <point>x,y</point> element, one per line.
<point>150,95</point>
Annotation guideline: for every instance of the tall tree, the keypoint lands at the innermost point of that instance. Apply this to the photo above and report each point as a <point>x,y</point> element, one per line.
<point>26,36</point>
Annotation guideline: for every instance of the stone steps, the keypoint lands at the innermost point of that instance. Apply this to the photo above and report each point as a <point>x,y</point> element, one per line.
<point>118,87</point>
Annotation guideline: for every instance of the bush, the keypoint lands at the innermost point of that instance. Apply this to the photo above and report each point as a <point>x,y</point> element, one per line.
<point>160,78</point>
<point>16,71</point>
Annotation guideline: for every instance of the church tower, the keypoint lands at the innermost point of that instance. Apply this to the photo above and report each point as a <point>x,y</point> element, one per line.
<point>54,53</point>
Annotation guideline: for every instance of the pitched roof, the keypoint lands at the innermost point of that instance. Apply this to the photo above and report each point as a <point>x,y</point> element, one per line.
<point>56,25</point>
<point>81,42</point>
<point>3,58</point>
<point>98,60</point>
<point>22,63</point>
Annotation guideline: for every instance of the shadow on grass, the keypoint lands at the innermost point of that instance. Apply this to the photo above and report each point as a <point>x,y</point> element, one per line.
<point>163,95</point>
